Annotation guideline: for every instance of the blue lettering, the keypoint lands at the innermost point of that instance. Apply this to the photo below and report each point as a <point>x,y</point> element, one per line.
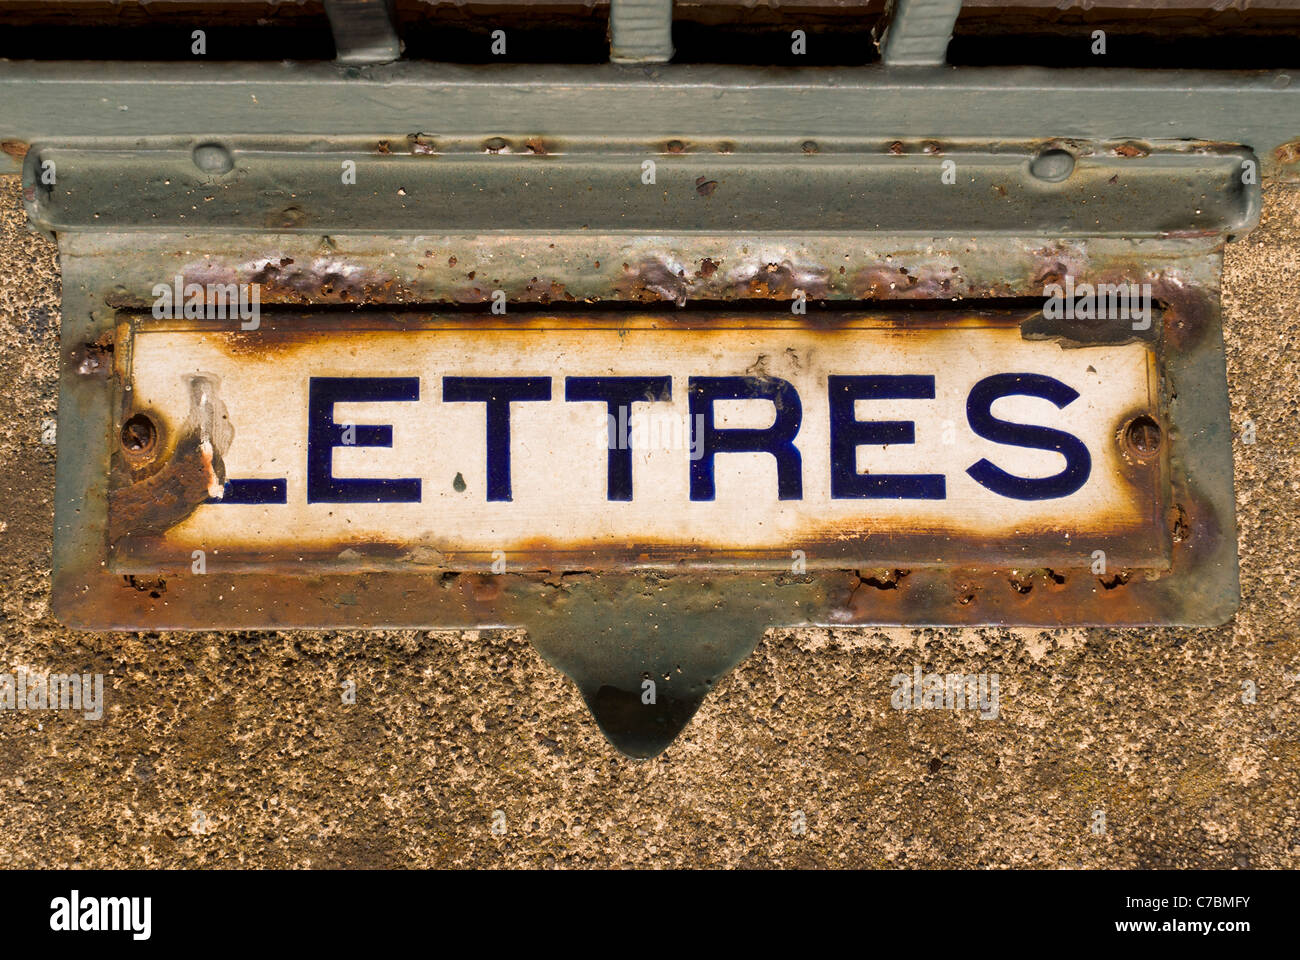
<point>848,433</point>
<point>1078,463</point>
<point>498,393</point>
<point>618,395</point>
<point>323,435</point>
<point>778,439</point>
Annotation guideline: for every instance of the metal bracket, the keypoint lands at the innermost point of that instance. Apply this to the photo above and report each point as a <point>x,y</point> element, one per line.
<point>364,30</point>
<point>641,31</point>
<point>916,32</point>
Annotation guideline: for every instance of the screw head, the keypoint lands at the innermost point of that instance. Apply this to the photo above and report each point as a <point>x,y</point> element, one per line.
<point>1143,436</point>
<point>1052,165</point>
<point>213,158</point>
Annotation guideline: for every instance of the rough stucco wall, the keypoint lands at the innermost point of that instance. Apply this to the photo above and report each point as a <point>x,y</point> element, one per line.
<point>237,750</point>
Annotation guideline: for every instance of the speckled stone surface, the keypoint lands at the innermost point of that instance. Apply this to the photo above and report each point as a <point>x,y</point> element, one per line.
<point>238,750</point>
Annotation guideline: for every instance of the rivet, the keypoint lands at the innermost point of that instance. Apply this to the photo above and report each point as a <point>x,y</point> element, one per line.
<point>213,158</point>
<point>1052,165</point>
<point>1142,436</point>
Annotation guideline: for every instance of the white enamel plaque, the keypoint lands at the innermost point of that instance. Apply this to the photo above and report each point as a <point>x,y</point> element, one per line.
<point>643,439</point>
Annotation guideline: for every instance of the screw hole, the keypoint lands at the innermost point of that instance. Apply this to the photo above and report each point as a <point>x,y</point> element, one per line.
<point>139,435</point>
<point>1143,436</point>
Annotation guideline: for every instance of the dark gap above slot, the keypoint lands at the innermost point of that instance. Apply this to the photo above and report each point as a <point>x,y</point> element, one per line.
<point>1137,50</point>
<point>172,42</point>
<point>528,38</point>
<point>824,44</point>
<point>752,308</point>
<point>1157,34</point>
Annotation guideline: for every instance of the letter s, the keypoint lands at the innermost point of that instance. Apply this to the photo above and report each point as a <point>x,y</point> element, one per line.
<point>1078,463</point>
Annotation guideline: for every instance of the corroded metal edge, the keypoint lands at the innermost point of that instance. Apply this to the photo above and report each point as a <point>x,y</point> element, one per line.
<point>105,273</point>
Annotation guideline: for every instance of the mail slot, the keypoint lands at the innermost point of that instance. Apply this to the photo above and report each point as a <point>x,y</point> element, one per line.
<point>635,440</point>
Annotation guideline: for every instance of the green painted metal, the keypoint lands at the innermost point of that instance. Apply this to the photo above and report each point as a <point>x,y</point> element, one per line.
<point>437,186</point>
<point>612,630</point>
<point>66,103</point>
<point>364,30</point>
<point>641,31</point>
<point>916,32</point>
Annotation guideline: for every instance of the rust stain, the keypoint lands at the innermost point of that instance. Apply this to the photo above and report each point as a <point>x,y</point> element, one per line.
<point>889,281</point>
<point>418,143</point>
<point>323,275</point>
<point>776,281</point>
<point>969,595</point>
<point>94,359</point>
<point>15,148</point>
<point>323,279</point>
<point>1055,261</point>
<point>240,343</point>
<point>1131,149</point>
<point>1045,578</point>
<point>653,280</point>
<point>1191,310</point>
<point>193,473</point>
<point>163,500</point>
<point>882,579</point>
<point>154,586</point>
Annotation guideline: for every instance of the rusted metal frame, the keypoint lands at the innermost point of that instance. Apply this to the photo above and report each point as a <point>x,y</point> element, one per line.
<point>609,630</point>
<point>640,31</point>
<point>915,33</point>
<point>701,108</point>
<point>365,31</point>
<point>422,185</point>
<point>304,269</point>
<point>1188,268</point>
